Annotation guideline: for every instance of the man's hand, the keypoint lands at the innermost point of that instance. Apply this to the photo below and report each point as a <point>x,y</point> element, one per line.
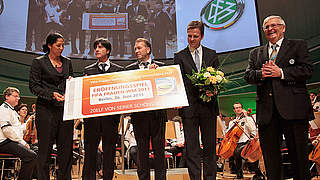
<point>209,93</point>
<point>176,108</point>
<point>245,113</point>
<point>153,66</point>
<point>270,69</point>
<point>58,96</point>
<point>28,146</point>
<point>180,145</point>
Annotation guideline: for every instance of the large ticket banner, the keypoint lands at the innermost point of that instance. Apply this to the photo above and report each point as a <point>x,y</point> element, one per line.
<point>105,21</point>
<point>124,92</point>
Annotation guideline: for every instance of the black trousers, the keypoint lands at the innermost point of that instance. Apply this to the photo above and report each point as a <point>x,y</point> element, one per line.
<point>296,137</point>
<point>146,125</point>
<point>27,156</point>
<point>74,29</point>
<point>207,126</point>
<point>118,43</point>
<point>52,129</point>
<point>105,127</point>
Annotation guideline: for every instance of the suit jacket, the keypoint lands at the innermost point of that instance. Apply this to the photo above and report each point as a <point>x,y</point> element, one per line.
<point>289,94</point>
<point>142,10</point>
<point>45,79</point>
<point>161,25</point>
<point>158,113</point>
<point>186,62</point>
<point>93,69</point>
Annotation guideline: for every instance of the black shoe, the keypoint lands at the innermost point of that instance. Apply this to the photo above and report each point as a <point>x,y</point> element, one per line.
<point>233,172</point>
<point>239,175</point>
<point>258,177</point>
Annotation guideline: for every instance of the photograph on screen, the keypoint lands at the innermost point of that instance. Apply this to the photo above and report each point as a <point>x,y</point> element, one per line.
<point>82,21</point>
<point>230,25</point>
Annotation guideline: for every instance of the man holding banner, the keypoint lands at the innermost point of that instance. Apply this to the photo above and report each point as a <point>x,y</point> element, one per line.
<point>105,127</point>
<point>148,124</point>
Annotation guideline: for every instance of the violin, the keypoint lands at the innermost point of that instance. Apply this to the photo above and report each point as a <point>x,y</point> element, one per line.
<point>31,132</point>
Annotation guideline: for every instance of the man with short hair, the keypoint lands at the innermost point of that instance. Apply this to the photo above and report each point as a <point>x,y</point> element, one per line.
<point>248,128</point>
<point>148,124</point>
<point>11,134</point>
<point>280,70</point>
<point>198,113</point>
<point>102,126</point>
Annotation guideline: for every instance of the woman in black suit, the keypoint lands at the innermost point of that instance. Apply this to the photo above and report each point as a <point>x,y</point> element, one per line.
<point>47,81</point>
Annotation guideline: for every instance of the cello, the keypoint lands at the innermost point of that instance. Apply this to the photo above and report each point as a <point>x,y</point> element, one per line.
<point>252,151</point>
<point>227,146</point>
<point>314,156</point>
<point>31,131</point>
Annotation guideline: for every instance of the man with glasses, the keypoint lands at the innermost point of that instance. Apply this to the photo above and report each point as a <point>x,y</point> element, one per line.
<point>11,134</point>
<point>280,70</point>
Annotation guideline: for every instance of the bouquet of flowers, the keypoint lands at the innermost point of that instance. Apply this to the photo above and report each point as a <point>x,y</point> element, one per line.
<point>140,19</point>
<point>210,82</point>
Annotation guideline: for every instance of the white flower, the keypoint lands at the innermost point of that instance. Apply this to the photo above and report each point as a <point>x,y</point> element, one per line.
<point>206,74</point>
<point>219,78</point>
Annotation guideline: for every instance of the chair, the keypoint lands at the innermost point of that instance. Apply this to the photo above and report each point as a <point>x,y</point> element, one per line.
<point>175,165</point>
<point>167,155</point>
<point>54,166</point>
<point>4,157</point>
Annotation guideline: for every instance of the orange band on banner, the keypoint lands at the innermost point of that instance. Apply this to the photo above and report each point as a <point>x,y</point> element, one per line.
<point>130,91</point>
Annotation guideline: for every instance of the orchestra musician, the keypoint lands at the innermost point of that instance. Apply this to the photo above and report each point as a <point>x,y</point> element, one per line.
<point>249,130</point>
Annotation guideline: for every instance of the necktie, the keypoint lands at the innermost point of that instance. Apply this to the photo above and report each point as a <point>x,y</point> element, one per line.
<point>197,60</point>
<point>103,67</point>
<point>145,64</point>
<point>274,52</point>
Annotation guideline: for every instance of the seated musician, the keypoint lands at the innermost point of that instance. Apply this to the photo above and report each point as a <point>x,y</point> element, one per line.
<point>11,134</point>
<point>249,127</point>
<point>177,144</point>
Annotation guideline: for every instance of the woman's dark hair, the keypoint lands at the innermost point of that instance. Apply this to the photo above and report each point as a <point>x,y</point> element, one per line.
<point>20,107</point>
<point>104,42</point>
<point>51,39</point>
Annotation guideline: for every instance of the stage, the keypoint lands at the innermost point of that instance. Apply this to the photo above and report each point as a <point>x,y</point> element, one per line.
<point>172,174</point>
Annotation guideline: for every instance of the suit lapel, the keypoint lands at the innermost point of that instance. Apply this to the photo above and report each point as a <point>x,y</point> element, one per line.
<point>189,59</point>
<point>265,55</point>
<point>282,52</point>
<point>204,57</point>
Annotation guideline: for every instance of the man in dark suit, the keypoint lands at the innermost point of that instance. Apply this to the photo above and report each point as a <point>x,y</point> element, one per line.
<point>198,113</point>
<point>159,31</point>
<point>149,124</point>
<point>99,7</point>
<point>105,127</point>
<point>118,35</point>
<point>36,16</point>
<point>280,70</point>
<point>75,11</point>
<point>138,14</point>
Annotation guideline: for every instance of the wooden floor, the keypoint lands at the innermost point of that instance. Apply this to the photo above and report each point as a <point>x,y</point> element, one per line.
<point>172,174</point>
